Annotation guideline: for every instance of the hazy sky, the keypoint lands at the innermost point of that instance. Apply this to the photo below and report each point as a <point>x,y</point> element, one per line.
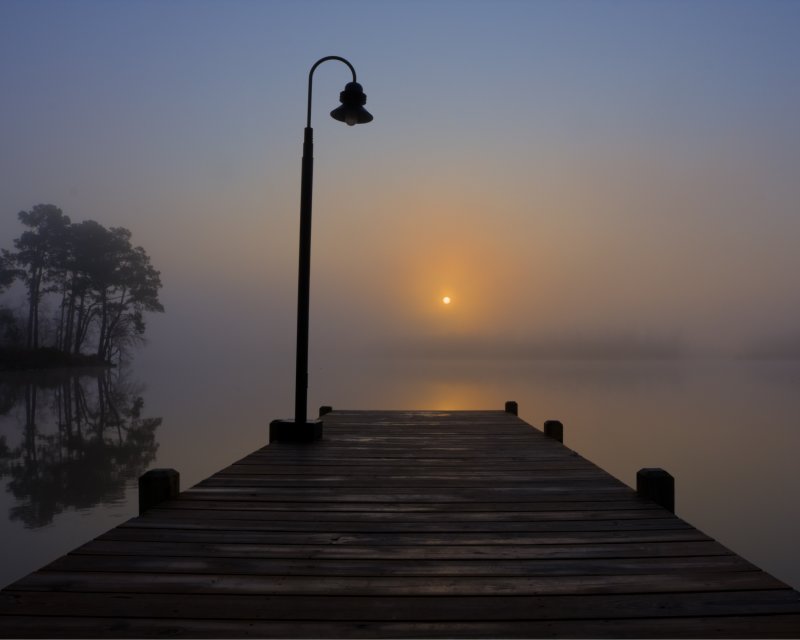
<point>568,172</point>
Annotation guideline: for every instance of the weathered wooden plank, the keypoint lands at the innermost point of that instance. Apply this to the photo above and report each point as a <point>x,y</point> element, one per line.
<point>365,467</point>
<point>245,472</point>
<point>391,483</point>
<point>410,510</point>
<point>622,525</point>
<point>564,502</point>
<point>389,548</point>
<point>354,567</point>
<point>389,521</point>
<point>200,606</point>
<point>256,536</point>
<point>265,534</point>
<point>364,586</point>
<point>772,626</point>
<point>477,459</point>
<point>445,446</point>
<point>493,494</point>
<point>423,458</point>
<point>240,523</point>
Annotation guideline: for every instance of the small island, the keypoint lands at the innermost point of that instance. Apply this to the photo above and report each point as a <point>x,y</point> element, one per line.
<point>86,289</point>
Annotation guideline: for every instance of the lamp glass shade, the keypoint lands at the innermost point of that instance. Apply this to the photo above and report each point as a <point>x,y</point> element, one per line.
<point>352,110</point>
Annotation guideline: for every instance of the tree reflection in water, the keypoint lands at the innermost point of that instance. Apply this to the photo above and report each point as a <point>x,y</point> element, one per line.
<point>83,439</point>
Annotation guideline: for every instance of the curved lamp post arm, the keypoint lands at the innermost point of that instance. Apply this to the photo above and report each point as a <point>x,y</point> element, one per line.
<point>311,75</point>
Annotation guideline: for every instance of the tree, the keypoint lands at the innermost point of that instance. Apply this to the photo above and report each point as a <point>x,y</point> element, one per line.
<point>104,283</point>
<point>121,285</point>
<point>9,330</point>
<point>84,263</point>
<point>108,284</point>
<point>37,250</point>
<point>7,271</point>
<point>135,292</point>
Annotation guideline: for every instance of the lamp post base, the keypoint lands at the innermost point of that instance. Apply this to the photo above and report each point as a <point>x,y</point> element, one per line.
<point>291,431</point>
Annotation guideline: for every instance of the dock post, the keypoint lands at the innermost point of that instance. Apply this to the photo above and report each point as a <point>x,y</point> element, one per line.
<point>156,486</point>
<point>554,429</point>
<point>324,410</point>
<point>289,431</point>
<point>512,408</point>
<point>656,485</point>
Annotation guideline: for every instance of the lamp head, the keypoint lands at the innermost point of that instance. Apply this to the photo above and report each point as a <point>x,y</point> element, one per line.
<point>352,109</point>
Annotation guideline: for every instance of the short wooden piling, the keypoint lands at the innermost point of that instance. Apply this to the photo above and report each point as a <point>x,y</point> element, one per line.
<point>512,408</point>
<point>554,429</point>
<point>656,485</point>
<point>156,486</point>
<point>290,431</point>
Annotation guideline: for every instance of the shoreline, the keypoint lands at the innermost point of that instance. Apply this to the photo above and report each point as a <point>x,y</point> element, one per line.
<point>46,359</point>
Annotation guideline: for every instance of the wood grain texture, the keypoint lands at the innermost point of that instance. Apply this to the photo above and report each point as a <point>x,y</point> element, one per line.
<point>404,524</point>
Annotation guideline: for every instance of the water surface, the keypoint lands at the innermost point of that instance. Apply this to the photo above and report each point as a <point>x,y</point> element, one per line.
<point>72,446</point>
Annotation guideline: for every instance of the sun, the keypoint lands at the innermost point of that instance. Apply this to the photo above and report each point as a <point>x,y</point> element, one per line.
<point>446,300</point>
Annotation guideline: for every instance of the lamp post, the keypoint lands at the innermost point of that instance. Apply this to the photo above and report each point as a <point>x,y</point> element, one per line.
<point>351,112</point>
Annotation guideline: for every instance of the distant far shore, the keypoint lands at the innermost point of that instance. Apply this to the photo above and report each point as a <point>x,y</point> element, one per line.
<point>15,359</point>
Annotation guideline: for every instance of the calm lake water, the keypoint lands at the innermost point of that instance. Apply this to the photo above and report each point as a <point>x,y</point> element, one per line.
<point>72,447</point>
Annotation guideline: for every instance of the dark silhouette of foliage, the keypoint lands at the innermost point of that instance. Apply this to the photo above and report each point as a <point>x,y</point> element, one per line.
<point>104,285</point>
<point>37,254</point>
<point>84,439</point>
<point>10,331</point>
<point>7,271</point>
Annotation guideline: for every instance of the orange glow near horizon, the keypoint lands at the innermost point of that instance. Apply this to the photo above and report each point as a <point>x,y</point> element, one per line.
<point>446,300</point>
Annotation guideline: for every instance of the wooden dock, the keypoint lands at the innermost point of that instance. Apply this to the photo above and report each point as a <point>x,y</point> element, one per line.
<point>405,524</point>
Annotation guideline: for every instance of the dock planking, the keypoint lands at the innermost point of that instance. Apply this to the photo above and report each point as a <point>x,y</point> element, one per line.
<point>404,524</point>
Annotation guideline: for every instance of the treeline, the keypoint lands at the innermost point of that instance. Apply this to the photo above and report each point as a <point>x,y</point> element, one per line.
<point>101,286</point>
